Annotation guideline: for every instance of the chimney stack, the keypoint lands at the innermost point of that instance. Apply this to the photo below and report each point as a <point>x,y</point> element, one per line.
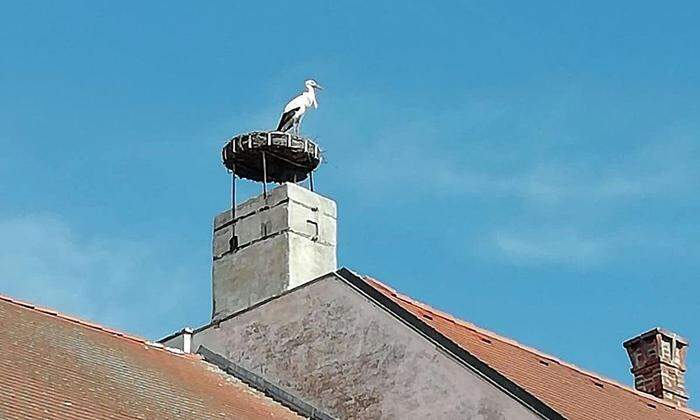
<point>658,364</point>
<point>284,238</point>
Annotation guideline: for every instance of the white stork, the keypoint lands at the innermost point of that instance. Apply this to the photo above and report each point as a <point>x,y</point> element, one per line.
<point>295,109</point>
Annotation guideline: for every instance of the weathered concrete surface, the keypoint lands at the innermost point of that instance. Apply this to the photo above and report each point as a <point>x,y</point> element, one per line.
<point>328,344</point>
<point>284,240</point>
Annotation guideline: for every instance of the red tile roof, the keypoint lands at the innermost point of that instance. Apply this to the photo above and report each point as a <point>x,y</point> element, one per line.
<point>55,366</point>
<point>571,391</point>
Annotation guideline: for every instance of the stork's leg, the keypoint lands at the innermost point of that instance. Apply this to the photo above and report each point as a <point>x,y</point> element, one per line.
<point>299,124</point>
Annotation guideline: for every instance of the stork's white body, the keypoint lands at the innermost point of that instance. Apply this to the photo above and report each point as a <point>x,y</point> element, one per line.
<point>296,108</point>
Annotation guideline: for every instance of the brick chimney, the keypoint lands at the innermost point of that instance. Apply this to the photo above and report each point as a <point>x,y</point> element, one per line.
<point>658,364</point>
<point>284,239</point>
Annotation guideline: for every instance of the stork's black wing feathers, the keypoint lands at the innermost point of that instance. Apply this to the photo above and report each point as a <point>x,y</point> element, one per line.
<point>286,120</point>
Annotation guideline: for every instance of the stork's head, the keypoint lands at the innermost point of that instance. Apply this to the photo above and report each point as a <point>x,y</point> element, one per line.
<point>311,84</point>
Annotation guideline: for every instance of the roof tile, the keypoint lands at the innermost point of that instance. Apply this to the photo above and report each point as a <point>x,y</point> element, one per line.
<point>55,366</point>
<point>573,392</point>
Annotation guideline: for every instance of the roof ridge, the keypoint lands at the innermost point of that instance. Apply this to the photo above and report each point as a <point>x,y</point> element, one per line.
<point>92,325</point>
<point>527,348</point>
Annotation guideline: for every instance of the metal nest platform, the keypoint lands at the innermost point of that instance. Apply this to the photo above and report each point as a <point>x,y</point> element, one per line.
<point>271,156</point>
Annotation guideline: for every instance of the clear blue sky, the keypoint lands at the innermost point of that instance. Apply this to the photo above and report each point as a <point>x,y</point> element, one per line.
<point>532,168</point>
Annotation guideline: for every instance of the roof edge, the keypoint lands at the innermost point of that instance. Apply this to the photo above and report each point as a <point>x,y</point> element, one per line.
<point>92,325</point>
<point>218,321</point>
<point>515,390</point>
<point>527,348</point>
<point>259,383</point>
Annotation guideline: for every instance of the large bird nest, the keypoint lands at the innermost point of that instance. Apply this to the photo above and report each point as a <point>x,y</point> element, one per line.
<point>271,156</point>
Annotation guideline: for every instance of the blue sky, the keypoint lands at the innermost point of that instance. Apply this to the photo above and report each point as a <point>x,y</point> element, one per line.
<point>531,168</point>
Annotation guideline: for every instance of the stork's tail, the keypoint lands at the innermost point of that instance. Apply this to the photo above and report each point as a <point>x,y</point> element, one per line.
<point>287,120</point>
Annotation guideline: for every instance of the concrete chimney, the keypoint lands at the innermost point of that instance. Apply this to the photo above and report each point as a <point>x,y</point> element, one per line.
<point>284,239</point>
<point>658,364</point>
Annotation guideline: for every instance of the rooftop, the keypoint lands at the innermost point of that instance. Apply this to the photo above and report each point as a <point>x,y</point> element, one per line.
<point>570,390</point>
<point>57,366</point>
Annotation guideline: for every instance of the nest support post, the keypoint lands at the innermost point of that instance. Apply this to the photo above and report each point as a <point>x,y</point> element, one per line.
<point>233,241</point>
<point>264,167</point>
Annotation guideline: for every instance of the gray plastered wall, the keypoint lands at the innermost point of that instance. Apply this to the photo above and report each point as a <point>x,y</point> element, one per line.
<point>330,345</point>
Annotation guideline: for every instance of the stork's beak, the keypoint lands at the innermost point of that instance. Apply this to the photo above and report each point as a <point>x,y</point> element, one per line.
<point>319,87</point>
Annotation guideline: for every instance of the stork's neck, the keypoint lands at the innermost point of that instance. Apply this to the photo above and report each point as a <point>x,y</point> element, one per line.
<point>310,94</point>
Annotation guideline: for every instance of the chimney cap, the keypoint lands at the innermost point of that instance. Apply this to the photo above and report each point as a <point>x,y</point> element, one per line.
<point>656,331</point>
